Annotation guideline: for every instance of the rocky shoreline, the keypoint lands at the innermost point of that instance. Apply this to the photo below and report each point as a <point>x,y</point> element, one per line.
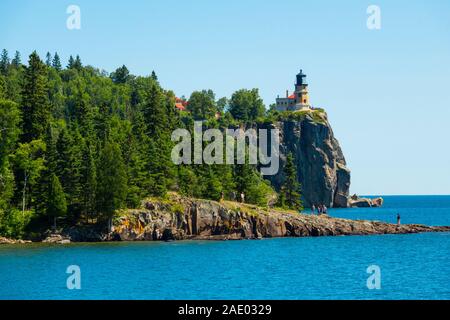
<point>186,218</point>
<point>181,218</point>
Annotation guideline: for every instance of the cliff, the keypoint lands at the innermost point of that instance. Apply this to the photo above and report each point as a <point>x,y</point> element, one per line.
<point>321,166</point>
<point>181,218</point>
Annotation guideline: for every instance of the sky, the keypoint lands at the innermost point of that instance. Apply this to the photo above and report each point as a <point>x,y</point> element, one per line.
<point>386,91</point>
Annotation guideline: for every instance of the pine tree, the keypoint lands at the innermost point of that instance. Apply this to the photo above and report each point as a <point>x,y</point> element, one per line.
<point>83,112</point>
<point>77,63</point>
<point>56,63</point>
<point>154,76</point>
<point>2,87</point>
<point>88,181</point>
<point>4,62</point>
<point>48,59</point>
<point>35,104</point>
<point>9,132</point>
<point>112,181</point>
<point>71,63</point>
<point>50,162</point>
<point>155,113</point>
<point>69,147</point>
<point>56,206</point>
<point>290,190</point>
<point>16,61</point>
<point>121,75</point>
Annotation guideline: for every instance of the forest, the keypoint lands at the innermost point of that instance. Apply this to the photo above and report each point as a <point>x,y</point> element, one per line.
<point>78,143</point>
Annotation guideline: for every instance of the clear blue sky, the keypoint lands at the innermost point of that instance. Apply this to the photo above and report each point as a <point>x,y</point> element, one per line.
<point>387,92</point>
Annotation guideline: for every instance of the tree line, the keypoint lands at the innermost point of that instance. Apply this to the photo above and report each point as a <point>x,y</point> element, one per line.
<point>77,144</point>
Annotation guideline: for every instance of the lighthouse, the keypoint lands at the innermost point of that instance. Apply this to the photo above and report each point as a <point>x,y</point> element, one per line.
<point>299,100</point>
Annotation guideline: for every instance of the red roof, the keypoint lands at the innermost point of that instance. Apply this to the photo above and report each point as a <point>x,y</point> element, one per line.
<point>180,106</point>
<point>292,96</point>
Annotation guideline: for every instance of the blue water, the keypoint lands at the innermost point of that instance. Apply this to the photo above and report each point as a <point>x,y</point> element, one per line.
<point>413,266</point>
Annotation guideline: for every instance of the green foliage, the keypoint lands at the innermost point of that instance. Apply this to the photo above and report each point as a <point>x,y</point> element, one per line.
<point>13,222</point>
<point>28,160</point>
<point>112,180</point>
<point>35,104</point>
<point>9,128</point>
<point>56,62</point>
<point>56,205</point>
<point>246,105</point>
<point>4,62</point>
<point>290,190</point>
<point>81,143</point>
<point>202,104</point>
<point>121,75</point>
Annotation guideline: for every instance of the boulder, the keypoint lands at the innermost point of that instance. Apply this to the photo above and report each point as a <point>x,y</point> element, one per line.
<point>57,239</point>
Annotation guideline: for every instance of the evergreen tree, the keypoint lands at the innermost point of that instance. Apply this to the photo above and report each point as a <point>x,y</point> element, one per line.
<point>77,63</point>
<point>88,181</point>
<point>290,190</point>
<point>71,63</point>
<point>35,104</point>
<point>9,132</point>
<point>16,61</point>
<point>56,206</point>
<point>82,109</point>
<point>69,147</point>
<point>121,75</point>
<point>56,63</point>
<point>48,59</point>
<point>50,156</point>
<point>4,62</point>
<point>154,76</point>
<point>112,181</point>
<point>2,87</point>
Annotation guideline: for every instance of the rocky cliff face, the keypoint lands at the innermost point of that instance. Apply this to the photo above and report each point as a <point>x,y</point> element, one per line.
<point>321,166</point>
<point>182,218</point>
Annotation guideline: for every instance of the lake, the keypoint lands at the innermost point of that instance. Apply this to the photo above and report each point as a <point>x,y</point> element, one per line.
<point>415,266</point>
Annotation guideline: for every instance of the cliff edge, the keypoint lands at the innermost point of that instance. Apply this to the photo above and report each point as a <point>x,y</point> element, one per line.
<point>321,167</point>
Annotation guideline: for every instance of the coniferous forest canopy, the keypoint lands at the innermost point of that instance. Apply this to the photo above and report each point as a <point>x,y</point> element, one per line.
<point>77,144</point>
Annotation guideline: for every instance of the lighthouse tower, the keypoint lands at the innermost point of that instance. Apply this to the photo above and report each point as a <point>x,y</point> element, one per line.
<point>299,100</point>
<point>301,91</point>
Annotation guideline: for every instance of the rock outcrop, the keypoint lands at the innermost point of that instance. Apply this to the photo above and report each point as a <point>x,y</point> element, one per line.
<point>4,240</point>
<point>357,202</point>
<point>182,218</point>
<point>321,166</point>
<point>57,239</point>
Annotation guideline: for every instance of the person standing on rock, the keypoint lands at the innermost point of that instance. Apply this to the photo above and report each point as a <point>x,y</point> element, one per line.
<point>398,219</point>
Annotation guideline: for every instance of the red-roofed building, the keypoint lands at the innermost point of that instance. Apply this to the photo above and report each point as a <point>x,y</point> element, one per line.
<point>180,104</point>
